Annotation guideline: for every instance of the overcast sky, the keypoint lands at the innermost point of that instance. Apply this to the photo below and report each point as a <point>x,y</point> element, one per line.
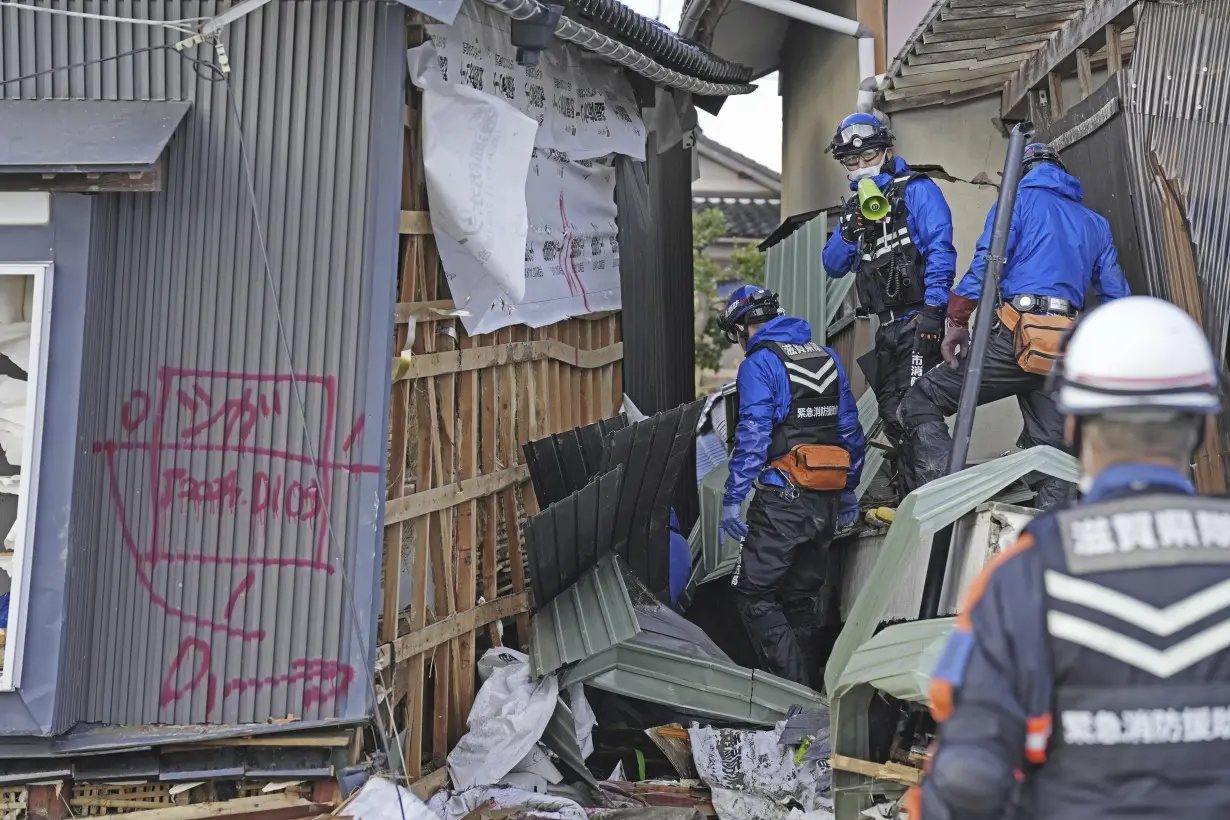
<point>750,124</point>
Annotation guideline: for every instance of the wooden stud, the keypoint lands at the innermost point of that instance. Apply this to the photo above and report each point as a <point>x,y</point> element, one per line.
<point>415,223</point>
<point>1114,48</point>
<point>451,628</point>
<point>443,499</point>
<point>1084,72</point>
<point>497,388</point>
<point>896,772</point>
<point>617,370</point>
<point>445,364</point>
<point>1040,108</point>
<point>871,13</point>
<point>1054,87</point>
<point>418,266</point>
<point>468,401</point>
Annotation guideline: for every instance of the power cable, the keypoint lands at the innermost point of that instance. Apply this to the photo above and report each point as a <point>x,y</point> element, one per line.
<point>177,25</point>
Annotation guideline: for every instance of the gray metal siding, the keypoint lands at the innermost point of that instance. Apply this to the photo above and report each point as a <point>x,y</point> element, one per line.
<point>209,602</point>
<point>1177,104</point>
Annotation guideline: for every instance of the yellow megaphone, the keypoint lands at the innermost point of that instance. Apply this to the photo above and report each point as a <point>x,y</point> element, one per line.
<point>871,202</point>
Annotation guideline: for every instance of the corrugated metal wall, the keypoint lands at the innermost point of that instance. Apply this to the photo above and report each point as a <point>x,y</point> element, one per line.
<point>657,286</point>
<point>1177,106</point>
<point>228,474</point>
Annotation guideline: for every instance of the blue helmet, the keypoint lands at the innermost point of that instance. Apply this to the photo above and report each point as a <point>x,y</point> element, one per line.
<point>747,305</point>
<point>1037,153</point>
<point>859,132</point>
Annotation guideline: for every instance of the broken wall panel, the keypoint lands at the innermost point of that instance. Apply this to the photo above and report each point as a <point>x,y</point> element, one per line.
<point>563,463</point>
<point>567,539</point>
<point>651,454</point>
<point>593,614</point>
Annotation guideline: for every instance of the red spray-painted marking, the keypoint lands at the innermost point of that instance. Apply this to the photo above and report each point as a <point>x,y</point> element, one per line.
<point>565,259</point>
<point>324,680</point>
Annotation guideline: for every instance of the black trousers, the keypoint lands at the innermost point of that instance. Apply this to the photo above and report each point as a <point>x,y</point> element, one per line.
<point>936,395</point>
<point>896,370</point>
<point>778,578</point>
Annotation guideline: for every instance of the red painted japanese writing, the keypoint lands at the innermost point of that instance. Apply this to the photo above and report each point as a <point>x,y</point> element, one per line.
<point>221,469</point>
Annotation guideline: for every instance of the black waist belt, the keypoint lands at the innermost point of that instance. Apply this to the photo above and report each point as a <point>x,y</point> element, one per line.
<point>1033,303</point>
<point>893,314</point>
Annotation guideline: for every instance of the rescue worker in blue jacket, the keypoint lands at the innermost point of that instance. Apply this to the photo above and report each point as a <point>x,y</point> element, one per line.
<point>904,263</point>
<point>799,443</point>
<point>1087,675</point>
<point>1057,248</point>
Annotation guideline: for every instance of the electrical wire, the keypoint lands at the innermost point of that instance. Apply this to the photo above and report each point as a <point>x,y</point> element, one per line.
<point>177,25</point>
<point>96,61</point>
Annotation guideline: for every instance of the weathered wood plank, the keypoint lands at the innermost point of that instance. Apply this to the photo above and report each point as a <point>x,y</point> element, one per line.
<point>1087,28</point>
<point>410,648</point>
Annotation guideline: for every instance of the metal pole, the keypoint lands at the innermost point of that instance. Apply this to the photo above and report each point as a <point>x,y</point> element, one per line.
<point>938,563</point>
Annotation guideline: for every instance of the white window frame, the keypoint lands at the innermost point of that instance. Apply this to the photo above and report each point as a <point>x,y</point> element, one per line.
<point>31,450</point>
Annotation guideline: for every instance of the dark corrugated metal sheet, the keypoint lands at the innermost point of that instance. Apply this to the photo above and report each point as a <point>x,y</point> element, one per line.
<point>1092,141</point>
<point>635,522</point>
<point>567,539</point>
<point>655,236</point>
<point>218,594</point>
<point>69,136</point>
<point>563,463</point>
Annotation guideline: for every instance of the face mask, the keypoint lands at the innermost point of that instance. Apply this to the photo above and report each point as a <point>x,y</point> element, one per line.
<point>1085,484</point>
<point>861,173</point>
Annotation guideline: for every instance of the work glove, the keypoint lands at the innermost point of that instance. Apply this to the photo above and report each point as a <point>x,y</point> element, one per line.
<point>928,329</point>
<point>852,222</point>
<point>731,523</point>
<point>955,345</point>
<point>847,511</point>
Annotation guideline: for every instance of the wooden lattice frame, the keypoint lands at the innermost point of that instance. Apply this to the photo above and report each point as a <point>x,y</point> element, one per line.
<point>462,407</point>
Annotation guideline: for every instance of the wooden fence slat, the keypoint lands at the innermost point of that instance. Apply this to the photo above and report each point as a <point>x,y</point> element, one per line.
<point>412,646</point>
<point>442,309</point>
<point>468,401</point>
<point>448,364</point>
<point>445,498</point>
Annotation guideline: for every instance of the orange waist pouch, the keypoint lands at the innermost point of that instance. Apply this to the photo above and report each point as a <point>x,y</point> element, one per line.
<point>1037,338</point>
<point>815,466</point>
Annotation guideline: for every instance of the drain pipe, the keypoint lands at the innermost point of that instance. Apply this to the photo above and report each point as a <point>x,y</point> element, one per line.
<point>868,82</point>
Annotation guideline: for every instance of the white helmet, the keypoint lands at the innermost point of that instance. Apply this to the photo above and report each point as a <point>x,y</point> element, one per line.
<point>1138,354</point>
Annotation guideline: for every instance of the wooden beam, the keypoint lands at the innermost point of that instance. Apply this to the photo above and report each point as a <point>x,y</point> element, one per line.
<point>896,772</point>
<point>443,498</point>
<point>1054,93</point>
<point>871,13</point>
<point>242,805</point>
<point>451,628</point>
<point>1114,48</point>
<point>445,309</point>
<point>478,358</point>
<point>1086,29</point>
<point>1084,73</point>
<point>429,785</point>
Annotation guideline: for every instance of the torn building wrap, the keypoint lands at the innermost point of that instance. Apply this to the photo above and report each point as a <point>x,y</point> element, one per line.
<point>584,113</point>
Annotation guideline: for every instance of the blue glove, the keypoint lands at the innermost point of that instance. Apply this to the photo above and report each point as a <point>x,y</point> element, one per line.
<point>732,523</point>
<point>847,510</point>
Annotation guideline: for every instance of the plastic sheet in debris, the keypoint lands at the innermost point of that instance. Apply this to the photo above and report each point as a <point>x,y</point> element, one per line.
<point>455,806</point>
<point>378,800</point>
<point>755,763</point>
<point>507,719</point>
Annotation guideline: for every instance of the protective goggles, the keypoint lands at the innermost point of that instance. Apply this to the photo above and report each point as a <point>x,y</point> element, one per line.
<point>867,155</point>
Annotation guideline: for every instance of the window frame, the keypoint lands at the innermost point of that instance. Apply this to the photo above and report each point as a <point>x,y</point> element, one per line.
<point>31,451</point>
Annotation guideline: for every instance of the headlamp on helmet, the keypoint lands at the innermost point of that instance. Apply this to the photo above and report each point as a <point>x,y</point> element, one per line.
<point>748,305</point>
<point>860,134</point>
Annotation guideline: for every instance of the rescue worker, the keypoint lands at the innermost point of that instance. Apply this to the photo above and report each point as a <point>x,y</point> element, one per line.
<point>798,441</point>
<point>1056,249</point>
<point>904,263</point>
<point>1087,675</point>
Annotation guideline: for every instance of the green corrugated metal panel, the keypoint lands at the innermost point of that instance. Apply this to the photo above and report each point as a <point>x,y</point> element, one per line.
<point>868,414</point>
<point>838,289</point>
<point>899,660</point>
<point>925,511</point>
<point>795,272</point>
<point>716,559</point>
<point>591,615</point>
<point>718,690</point>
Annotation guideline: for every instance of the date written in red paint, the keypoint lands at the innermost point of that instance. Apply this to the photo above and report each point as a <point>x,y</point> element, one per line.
<point>268,496</point>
